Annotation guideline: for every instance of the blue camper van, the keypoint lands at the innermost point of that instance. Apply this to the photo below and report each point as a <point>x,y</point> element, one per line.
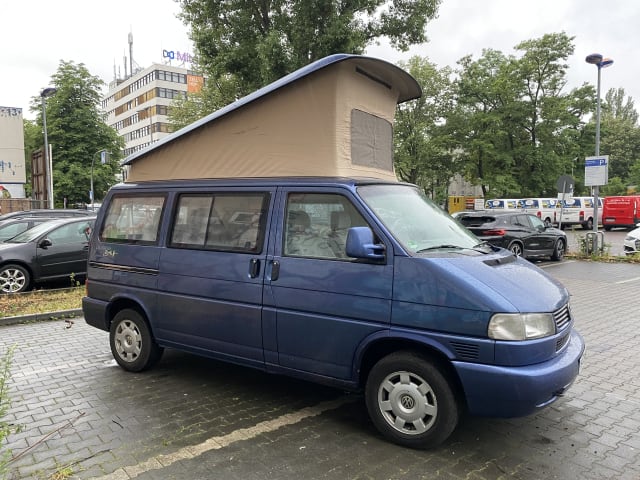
<point>357,282</point>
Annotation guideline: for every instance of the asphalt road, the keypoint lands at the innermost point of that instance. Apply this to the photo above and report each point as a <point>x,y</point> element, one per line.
<point>83,417</point>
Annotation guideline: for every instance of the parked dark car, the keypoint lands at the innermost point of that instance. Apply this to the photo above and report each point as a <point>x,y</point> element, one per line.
<point>524,234</point>
<point>46,212</point>
<point>12,227</point>
<point>51,250</point>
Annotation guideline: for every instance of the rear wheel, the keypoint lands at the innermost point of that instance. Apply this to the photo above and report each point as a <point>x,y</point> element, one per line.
<point>516,249</point>
<point>410,401</point>
<point>558,251</point>
<point>14,279</point>
<point>132,344</point>
<point>588,225</point>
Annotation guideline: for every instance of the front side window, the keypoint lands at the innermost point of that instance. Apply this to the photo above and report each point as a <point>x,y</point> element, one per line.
<point>133,219</point>
<point>317,224</point>
<point>221,221</point>
<point>77,232</point>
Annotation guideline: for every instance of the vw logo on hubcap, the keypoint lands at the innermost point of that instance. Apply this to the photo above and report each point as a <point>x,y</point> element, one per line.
<point>407,402</point>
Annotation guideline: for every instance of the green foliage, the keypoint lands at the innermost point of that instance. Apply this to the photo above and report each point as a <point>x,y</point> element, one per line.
<point>423,153</point>
<point>255,42</point>
<point>77,133</point>
<point>5,427</point>
<point>517,129</point>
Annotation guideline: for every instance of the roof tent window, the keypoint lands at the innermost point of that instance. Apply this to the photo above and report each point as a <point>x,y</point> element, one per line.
<point>371,141</point>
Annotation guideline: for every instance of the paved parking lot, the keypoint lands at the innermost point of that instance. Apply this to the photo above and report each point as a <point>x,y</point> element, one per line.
<point>190,418</point>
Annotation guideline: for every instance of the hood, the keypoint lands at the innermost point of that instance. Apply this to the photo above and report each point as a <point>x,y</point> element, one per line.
<point>499,282</point>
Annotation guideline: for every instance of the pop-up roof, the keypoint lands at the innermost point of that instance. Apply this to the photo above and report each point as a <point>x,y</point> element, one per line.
<point>331,118</point>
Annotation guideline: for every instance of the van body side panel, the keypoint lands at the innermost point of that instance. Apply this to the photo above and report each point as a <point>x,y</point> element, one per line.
<point>210,302</point>
<point>325,309</point>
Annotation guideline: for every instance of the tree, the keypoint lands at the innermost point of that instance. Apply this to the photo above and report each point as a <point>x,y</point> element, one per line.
<point>620,134</point>
<point>518,130</point>
<point>77,133</point>
<point>423,151</point>
<point>259,41</point>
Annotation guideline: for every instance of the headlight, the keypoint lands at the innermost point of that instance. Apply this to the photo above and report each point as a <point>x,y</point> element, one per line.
<point>521,326</point>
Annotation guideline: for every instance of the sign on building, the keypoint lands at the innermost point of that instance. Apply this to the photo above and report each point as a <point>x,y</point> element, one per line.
<point>13,174</point>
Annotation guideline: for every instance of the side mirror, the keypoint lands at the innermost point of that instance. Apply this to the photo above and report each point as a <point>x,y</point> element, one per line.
<point>44,243</point>
<point>360,244</point>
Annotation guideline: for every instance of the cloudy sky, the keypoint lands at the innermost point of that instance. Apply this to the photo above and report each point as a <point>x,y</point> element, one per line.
<point>37,34</point>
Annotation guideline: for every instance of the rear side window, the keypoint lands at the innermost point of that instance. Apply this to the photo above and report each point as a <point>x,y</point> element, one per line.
<point>133,219</point>
<point>221,221</point>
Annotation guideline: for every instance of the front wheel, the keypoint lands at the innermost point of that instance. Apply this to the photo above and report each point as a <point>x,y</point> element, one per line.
<point>132,344</point>
<point>14,279</point>
<point>410,401</point>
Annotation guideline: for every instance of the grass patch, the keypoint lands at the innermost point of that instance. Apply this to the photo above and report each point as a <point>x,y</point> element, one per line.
<point>41,301</point>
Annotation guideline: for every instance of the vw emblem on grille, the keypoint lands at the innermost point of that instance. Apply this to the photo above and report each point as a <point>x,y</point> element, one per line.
<point>407,402</point>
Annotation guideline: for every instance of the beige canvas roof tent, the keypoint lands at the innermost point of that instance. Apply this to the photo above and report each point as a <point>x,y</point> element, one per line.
<point>333,117</point>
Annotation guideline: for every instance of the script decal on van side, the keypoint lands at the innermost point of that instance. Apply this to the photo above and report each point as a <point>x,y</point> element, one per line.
<point>108,252</point>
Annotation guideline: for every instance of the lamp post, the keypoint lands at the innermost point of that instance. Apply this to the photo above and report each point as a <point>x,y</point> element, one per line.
<point>47,92</point>
<point>599,61</point>
<point>93,158</point>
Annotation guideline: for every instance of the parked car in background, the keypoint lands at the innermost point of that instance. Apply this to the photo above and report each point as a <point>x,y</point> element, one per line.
<point>46,212</point>
<point>623,211</point>
<point>579,211</point>
<point>502,204</point>
<point>546,209</point>
<point>51,250</point>
<point>12,227</point>
<point>632,242</point>
<point>524,234</point>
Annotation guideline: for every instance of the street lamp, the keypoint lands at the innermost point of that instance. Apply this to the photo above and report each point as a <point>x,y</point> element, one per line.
<point>47,92</point>
<point>600,62</point>
<point>103,154</point>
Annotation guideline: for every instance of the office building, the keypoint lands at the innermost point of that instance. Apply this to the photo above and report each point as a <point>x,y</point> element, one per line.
<point>138,106</point>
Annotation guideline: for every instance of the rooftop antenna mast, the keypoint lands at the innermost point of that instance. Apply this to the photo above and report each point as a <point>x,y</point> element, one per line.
<point>131,52</point>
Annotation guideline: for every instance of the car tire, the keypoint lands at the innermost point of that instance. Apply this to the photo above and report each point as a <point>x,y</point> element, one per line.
<point>588,225</point>
<point>14,279</point>
<point>516,249</point>
<point>132,343</point>
<point>608,229</point>
<point>558,251</point>
<point>410,401</point>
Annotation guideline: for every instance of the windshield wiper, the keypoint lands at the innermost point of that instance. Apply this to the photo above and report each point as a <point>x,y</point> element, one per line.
<point>438,247</point>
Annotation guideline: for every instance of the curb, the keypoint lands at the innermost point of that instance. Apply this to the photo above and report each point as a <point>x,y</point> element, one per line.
<point>41,317</point>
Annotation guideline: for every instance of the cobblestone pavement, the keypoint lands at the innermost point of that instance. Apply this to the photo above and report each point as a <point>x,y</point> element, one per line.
<point>82,417</point>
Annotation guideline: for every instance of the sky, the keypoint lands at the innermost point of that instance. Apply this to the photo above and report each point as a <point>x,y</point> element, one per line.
<point>37,34</point>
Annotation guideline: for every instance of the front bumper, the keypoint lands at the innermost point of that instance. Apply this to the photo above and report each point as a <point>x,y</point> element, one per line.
<point>496,391</point>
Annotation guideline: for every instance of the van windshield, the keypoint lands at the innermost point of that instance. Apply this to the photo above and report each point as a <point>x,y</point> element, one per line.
<point>414,220</point>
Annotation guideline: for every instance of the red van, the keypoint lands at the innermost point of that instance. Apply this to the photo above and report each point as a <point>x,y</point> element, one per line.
<point>621,212</point>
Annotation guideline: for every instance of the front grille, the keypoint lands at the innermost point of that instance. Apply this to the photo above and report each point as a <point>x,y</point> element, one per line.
<point>562,317</point>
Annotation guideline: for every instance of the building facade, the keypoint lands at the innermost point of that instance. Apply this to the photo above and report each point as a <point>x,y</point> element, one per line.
<point>137,107</point>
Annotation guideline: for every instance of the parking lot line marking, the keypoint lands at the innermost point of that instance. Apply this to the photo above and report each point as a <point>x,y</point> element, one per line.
<point>214,443</point>
<point>628,280</point>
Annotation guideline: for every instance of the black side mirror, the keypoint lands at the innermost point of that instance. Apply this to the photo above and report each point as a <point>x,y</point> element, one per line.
<point>44,243</point>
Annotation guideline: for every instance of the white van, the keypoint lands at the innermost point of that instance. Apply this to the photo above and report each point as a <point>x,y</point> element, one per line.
<point>503,204</point>
<point>579,211</point>
<point>546,209</point>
